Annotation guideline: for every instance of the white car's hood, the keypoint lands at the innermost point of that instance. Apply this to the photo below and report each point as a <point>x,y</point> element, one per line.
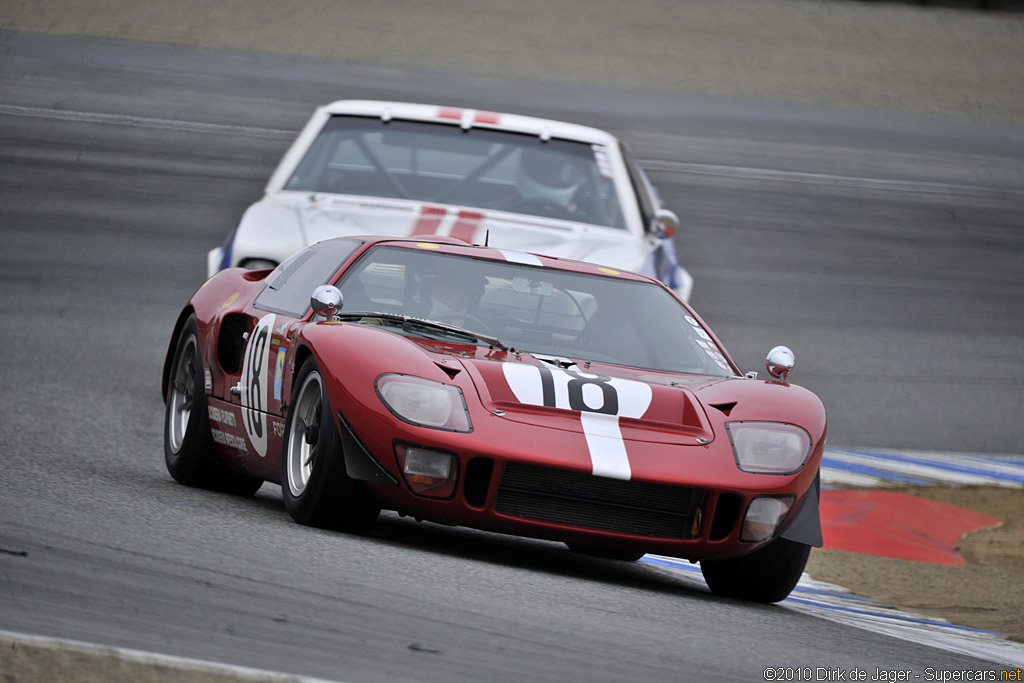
<point>287,221</point>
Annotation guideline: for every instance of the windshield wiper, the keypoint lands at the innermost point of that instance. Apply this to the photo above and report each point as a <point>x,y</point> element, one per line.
<point>557,361</point>
<point>408,321</point>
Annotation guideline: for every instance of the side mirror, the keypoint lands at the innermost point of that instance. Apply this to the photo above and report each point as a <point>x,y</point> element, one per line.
<point>665,223</point>
<point>779,362</point>
<point>326,301</point>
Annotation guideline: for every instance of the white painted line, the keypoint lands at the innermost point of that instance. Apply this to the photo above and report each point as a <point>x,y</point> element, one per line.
<point>830,179</point>
<point>949,471</point>
<point>835,603</point>
<point>743,172</point>
<point>836,477</point>
<point>153,659</point>
<point>146,122</point>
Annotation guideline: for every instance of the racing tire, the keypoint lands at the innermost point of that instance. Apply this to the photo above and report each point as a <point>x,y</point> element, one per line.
<point>189,451</point>
<point>605,552</point>
<point>316,489</point>
<point>768,574</point>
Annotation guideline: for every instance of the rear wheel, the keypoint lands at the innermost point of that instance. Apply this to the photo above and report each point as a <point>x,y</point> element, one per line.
<point>317,490</point>
<point>768,574</point>
<point>189,451</point>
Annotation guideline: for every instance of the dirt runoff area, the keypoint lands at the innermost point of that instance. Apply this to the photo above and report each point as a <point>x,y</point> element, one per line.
<point>942,59</point>
<point>979,594</point>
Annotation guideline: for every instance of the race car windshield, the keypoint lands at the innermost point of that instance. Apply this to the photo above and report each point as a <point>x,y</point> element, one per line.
<point>535,309</point>
<point>444,164</point>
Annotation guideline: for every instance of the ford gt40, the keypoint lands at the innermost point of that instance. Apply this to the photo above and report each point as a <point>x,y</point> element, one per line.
<point>514,182</point>
<point>499,390</point>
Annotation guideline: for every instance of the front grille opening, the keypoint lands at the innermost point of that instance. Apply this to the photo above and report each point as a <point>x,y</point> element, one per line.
<point>478,481</point>
<point>583,500</point>
<point>727,510</point>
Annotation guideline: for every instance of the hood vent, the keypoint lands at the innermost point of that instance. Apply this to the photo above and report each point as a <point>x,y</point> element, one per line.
<point>726,408</point>
<point>448,370</point>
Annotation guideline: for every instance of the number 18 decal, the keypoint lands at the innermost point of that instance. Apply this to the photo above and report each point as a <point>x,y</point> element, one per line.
<point>255,369</point>
<point>600,401</point>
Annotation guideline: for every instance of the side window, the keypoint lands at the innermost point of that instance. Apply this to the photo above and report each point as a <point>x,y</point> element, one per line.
<point>290,285</point>
<point>646,195</point>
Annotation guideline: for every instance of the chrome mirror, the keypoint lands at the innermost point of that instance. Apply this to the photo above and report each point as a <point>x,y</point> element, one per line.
<point>665,223</point>
<point>779,362</point>
<point>326,301</point>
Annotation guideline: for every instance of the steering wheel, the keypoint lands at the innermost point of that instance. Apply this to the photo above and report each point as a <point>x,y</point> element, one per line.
<point>542,207</point>
<point>459,319</point>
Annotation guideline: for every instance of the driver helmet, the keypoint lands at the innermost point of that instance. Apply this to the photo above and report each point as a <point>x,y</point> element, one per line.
<point>446,293</point>
<point>548,176</point>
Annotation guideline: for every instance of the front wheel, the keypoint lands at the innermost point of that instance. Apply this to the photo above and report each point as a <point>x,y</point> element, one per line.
<point>768,574</point>
<point>317,490</point>
<point>189,452</point>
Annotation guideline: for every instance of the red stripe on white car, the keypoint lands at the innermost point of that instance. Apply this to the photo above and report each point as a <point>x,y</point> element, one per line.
<point>429,220</point>
<point>457,114</point>
<point>466,226</point>
<point>449,113</point>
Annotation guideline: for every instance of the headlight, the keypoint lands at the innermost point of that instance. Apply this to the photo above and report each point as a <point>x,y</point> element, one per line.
<point>769,447</point>
<point>427,472</point>
<point>424,402</point>
<point>763,517</point>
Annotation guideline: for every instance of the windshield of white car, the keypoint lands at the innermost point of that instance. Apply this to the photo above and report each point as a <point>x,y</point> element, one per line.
<point>479,168</point>
<point>534,309</point>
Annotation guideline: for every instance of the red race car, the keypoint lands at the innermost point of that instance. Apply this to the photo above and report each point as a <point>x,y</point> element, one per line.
<point>498,390</point>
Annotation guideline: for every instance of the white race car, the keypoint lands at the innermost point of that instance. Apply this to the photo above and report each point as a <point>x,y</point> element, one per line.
<point>511,182</point>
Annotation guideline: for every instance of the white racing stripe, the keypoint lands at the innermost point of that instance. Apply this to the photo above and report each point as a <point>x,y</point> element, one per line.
<point>520,257</point>
<point>604,441</point>
<point>600,401</point>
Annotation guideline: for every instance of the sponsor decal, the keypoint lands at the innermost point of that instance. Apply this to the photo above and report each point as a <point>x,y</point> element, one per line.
<point>601,157</point>
<point>207,379</point>
<point>230,300</point>
<point>230,440</point>
<point>255,385</point>
<point>221,416</point>
<point>709,346</point>
<point>610,271</point>
<point>279,372</point>
<point>600,401</point>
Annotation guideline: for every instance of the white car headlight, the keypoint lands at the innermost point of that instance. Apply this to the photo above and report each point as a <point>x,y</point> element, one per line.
<point>424,402</point>
<point>769,447</point>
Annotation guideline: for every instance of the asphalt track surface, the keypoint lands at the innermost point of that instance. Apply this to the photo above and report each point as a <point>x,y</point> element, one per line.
<point>884,250</point>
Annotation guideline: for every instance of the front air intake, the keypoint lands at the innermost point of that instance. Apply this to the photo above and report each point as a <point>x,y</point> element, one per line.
<point>583,500</point>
